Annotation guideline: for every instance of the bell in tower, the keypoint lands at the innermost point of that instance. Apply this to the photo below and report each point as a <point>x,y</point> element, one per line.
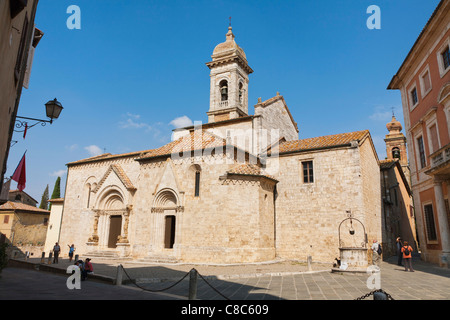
<point>224,90</point>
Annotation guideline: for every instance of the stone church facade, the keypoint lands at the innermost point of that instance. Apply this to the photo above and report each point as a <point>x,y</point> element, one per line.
<point>240,188</point>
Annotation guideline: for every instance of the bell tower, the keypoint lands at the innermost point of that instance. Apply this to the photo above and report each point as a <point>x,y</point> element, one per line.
<point>229,81</point>
<point>396,145</point>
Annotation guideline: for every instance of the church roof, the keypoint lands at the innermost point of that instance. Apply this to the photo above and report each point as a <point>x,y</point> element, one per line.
<point>199,139</point>
<point>108,156</point>
<point>248,170</point>
<point>324,142</point>
<point>120,173</point>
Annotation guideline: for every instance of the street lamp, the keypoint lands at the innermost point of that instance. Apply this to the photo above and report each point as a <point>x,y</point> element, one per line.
<point>53,109</point>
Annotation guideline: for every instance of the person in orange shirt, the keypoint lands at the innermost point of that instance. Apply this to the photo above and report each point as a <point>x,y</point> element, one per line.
<point>407,256</point>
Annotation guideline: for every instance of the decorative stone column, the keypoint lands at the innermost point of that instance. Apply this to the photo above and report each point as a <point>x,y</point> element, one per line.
<point>93,240</point>
<point>123,245</point>
<point>444,229</point>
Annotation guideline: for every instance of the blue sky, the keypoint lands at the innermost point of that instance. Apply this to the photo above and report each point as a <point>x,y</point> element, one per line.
<point>135,66</point>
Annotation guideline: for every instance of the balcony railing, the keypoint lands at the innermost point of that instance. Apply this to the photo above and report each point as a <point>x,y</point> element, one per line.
<point>440,157</point>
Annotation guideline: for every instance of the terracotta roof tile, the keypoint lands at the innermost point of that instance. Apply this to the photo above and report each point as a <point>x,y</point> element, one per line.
<point>120,173</point>
<point>195,140</point>
<point>108,156</point>
<point>7,206</point>
<point>322,142</point>
<point>249,169</point>
<point>123,177</point>
<point>386,164</point>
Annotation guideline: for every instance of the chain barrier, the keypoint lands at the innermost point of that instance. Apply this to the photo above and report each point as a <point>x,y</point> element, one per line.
<point>389,297</point>
<point>212,286</point>
<point>173,285</point>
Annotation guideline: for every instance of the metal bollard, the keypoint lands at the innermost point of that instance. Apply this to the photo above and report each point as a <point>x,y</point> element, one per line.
<point>309,263</point>
<point>119,275</point>
<point>43,257</point>
<point>76,257</point>
<point>193,275</point>
<point>50,258</point>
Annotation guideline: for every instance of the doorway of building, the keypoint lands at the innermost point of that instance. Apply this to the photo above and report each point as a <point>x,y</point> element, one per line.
<point>169,236</point>
<point>115,228</point>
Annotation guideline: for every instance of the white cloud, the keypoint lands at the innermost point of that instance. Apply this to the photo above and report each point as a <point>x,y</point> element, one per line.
<point>58,173</point>
<point>381,116</point>
<point>94,150</point>
<point>383,113</point>
<point>132,123</point>
<point>181,122</point>
<point>72,147</point>
<point>135,116</point>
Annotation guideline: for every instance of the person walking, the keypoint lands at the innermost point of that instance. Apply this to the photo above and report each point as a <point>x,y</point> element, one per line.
<point>399,251</point>
<point>407,256</point>
<point>56,251</point>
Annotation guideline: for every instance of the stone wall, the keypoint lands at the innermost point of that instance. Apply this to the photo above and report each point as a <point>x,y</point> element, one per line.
<point>308,214</point>
<point>230,221</point>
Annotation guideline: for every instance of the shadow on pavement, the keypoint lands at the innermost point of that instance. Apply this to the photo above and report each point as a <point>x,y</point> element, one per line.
<point>150,279</point>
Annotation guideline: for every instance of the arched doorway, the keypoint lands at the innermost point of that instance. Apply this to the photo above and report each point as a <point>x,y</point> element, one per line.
<point>169,235</point>
<point>110,221</point>
<point>165,216</point>
<point>115,230</point>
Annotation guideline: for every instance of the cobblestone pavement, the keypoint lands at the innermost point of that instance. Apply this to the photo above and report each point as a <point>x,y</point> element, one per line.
<point>264,281</point>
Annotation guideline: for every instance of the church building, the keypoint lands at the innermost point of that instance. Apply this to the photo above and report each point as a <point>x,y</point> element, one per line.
<point>241,188</point>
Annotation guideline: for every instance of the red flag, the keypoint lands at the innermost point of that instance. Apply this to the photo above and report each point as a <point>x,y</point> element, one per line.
<point>25,131</point>
<point>19,175</point>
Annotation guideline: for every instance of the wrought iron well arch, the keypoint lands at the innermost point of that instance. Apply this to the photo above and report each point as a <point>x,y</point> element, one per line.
<point>352,231</point>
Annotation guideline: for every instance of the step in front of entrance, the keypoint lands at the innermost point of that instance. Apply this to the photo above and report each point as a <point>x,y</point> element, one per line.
<point>106,255</point>
<point>158,259</point>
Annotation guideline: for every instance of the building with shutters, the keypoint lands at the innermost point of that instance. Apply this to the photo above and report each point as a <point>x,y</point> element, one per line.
<point>424,83</point>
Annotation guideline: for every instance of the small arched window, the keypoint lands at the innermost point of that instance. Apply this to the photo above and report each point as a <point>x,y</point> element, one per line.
<point>196,170</point>
<point>88,194</point>
<point>197,183</point>
<point>241,91</point>
<point>223,85</point>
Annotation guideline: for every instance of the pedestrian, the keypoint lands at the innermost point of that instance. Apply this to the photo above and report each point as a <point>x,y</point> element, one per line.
<point>399,251</point>
<point>407,256</point>
<point>71,251</point>
<point>88,268</point>
<point>56,251</point>
<point>375,252</point>
<point>80,265</point>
